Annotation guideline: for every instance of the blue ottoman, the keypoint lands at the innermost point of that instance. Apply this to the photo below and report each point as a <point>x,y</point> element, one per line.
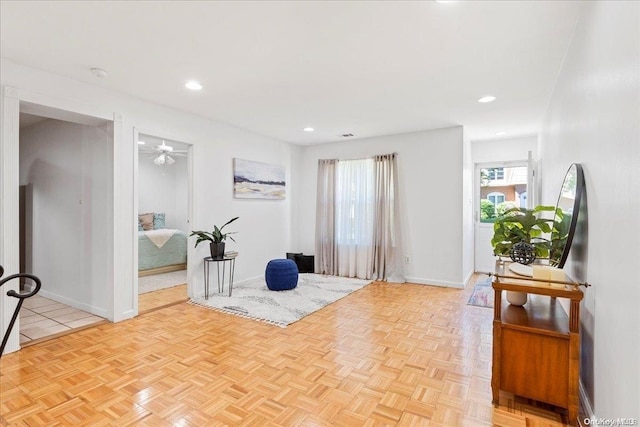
<point>281,274</point>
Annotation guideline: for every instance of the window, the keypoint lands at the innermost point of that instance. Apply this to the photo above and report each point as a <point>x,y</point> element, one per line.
<point>354,202</point>
<point>523,200</point>
<point>495,174</point>
<point>495,198</point>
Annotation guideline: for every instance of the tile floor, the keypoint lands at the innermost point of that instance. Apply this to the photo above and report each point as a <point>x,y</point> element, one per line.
<point>41,317</point>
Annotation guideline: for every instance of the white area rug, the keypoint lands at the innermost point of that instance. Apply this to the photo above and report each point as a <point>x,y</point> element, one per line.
<point>161,281</point>
<point>253,300</point>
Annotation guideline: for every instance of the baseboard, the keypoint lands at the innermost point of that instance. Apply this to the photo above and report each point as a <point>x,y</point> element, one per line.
<point>433,282</point>
<point>129,314</point>
<point>468,278</point>
<point>161,270</point>
<point>247,280</point>
<point>585,406</point>
<point>100,312</point>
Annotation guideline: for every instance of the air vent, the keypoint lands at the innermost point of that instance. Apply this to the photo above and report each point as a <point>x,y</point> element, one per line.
<point>347,135</point>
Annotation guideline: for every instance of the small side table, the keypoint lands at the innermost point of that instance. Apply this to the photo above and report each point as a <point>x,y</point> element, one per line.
<point>231,260</point>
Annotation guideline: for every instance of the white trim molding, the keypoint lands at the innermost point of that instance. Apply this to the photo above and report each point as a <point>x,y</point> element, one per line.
<point>9,212</point>
<point>585,404</point>
<point>12,100</point>
<point>433,282</point>
<point>122,224</point>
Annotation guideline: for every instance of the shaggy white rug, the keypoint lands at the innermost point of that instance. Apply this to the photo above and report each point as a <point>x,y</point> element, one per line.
<point>253,300</point>
<point>161,281</point>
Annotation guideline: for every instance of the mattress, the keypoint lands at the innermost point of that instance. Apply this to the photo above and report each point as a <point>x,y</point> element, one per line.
<point>172,251</point>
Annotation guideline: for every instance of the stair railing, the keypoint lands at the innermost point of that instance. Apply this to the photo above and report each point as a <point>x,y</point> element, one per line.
<point>21,298</point>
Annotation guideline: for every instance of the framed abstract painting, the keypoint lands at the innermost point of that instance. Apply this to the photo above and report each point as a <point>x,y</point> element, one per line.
<point>257,180</point>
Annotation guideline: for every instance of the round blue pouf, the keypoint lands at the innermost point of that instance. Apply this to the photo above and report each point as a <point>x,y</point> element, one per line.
<point>281,274</point>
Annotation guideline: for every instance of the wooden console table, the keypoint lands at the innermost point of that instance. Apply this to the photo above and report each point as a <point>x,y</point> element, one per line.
<point>536,347</point>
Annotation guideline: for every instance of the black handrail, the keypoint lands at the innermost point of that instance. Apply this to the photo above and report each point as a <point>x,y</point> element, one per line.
<point>21,298</point>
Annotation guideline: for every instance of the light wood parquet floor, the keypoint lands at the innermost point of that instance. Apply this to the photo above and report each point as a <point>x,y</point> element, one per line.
<point>388,354</point>
<point>162,298</point>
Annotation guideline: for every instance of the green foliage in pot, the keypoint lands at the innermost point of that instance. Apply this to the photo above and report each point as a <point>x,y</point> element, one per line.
<point>522,225</point>
<point>215,236</point>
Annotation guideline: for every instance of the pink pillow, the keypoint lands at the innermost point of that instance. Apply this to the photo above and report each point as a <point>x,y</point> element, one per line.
<point>146,220</point>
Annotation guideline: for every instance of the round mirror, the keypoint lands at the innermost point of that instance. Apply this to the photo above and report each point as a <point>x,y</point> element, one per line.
<point>566,216</point>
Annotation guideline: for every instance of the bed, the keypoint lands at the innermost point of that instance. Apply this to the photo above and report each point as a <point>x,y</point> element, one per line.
<point>161,250</point>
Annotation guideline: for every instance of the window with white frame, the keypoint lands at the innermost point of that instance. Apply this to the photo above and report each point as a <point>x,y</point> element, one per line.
<point>354,202</point>
<point>496,198</point>
<point>495,174</point>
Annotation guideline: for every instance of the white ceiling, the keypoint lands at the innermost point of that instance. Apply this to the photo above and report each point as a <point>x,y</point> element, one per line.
<point>366,68</point>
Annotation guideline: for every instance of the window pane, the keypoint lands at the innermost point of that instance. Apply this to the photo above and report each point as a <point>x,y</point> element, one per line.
<point>354,201</point>
<point>501,189</point>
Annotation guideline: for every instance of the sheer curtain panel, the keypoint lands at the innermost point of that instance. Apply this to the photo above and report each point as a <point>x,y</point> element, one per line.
<point>354,211</point>
<point>357,222</point>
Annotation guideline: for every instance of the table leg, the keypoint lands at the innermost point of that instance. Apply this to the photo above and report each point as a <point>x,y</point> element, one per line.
<point>224,268</point>
<point>206,280</point>
<point>232,269</point>
<point>218,272</point>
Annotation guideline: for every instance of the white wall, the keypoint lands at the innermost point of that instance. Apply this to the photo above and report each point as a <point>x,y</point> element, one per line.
<point>264,226</point>
<point>164,189</point>
<point>467,209</point>
<point>504,149</point>
<point>593,119</point>
<point>69,166</point>
<point>431,196</point>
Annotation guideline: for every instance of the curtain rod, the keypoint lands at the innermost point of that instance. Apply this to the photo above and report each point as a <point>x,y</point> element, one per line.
<point>364,158</point>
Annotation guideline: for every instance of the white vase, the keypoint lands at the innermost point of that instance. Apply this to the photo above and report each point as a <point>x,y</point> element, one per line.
<point>517,298</point>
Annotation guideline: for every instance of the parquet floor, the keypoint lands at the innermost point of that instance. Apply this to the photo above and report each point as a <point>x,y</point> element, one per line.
<point>388,354</point>
<point>162,298</point>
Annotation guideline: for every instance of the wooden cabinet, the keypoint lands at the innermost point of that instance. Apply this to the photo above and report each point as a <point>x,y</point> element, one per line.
<point>536,347</point>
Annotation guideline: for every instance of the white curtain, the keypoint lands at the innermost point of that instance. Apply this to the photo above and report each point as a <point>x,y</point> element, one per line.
<point>354,210</point>
<point>357,221</point>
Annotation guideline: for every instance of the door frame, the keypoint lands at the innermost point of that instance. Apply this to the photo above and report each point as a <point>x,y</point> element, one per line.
<point>12,98</point>
<point>191,204</point>
<point>477,191</point>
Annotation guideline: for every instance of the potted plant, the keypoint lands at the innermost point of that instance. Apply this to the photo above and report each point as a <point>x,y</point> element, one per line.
<point>521,225</point>
<point>216,238</point>
<point>518,234</point>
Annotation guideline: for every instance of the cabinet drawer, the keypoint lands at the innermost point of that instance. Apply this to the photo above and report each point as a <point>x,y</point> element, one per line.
<point>535,366</point>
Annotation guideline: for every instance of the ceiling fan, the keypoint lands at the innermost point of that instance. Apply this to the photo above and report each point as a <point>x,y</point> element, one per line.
<point>163,153</point>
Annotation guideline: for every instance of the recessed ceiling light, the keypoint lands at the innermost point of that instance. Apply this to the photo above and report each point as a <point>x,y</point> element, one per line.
<point>308,129</point>
<point>501,133</point>
<point>488,98</point>
<point>99,72</point>
<point>141,142</point>
<point>193,85</point>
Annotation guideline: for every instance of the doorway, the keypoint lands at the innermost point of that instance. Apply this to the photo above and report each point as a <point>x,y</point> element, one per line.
<point>65,166</point>
<point>498,187</point>
<point>163,184</point>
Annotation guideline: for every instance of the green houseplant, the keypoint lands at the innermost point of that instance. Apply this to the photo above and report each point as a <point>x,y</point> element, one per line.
<point>216,238</point>
<point>522,225</point>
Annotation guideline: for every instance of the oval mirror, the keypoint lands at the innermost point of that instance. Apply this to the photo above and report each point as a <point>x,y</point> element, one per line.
<point>566,216</point>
